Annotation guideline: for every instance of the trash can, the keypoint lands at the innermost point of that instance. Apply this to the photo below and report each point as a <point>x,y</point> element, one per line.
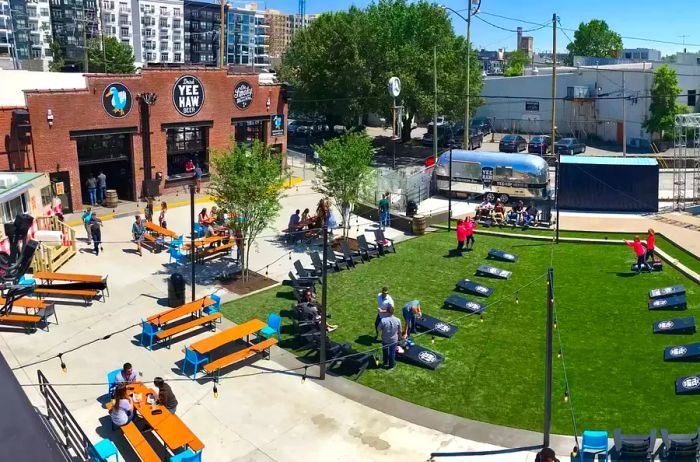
<point>176,290</point>
<point>411,208</point>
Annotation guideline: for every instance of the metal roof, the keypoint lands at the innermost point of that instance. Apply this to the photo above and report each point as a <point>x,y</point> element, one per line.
<point>526,162</point>
<point>594,160</point>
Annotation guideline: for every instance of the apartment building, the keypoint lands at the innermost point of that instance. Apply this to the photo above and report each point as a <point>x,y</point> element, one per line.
<point>202,33</point>
<point>116,19</point>
<point>247,37</point>
<point>159,32</point>
<point>40,34</point>
<point>73,22</point>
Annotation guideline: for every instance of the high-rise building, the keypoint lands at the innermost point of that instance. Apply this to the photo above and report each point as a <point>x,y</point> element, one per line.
<point>116,17</point>
<point>40,36</point>
<point>202,32</point>
<point>73,23</point>
<point>524,43</point>
<point>25,34</point>
<point>247,37</point>
<point>158,34</point>
<point>282,27</point>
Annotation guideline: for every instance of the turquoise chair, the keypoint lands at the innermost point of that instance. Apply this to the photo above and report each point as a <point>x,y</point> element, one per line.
<point>103,450</point>
<point>175,250</point>
<point>187,456</point>
<point>195,359</point>
<point>25,281</point>
<point>199,230</point>
<point>216,307</point>
<point>273,326</point>
<point>112,381</point>
<point>594,441</point>
<point>148,330</point>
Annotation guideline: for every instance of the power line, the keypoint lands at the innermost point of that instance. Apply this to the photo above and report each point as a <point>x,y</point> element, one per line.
<point>541,26</point>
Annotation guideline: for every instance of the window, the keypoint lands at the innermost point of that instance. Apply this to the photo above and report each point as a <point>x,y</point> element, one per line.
<point>176,23</point>
<point>178,57</point>
<point>124,31</point>
<point>176,46</point>
<point>46,196</point>
<point>163,56</point>
<point>36,54</point>
<point>692,97</point>
<point>163,10</point>
<point>44,11</point>
<point>186,143</point>
<point>14,207</point>
<point>249,131</point>
<point>163,23</point>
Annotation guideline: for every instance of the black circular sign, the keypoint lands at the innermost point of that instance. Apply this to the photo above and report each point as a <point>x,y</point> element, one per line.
<point>116,100</point>
<point>188,95</point>
<point>243,95</point>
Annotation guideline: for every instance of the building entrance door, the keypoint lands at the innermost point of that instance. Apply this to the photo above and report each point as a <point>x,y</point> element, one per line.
<point>60,183</point>
<point>111,154</point>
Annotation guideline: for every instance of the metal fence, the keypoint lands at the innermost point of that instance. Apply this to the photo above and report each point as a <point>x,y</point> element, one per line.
<point>406,184</point>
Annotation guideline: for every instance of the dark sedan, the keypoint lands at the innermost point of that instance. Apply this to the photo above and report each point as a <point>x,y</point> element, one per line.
<point>539,145</point>
<point>512,143</point>
<point>476,138</point>
<point>569,146</point>
<point>444,136</point>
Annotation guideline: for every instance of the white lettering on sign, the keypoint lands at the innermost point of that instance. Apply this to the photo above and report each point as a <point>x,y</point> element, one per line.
<point>188,95</point>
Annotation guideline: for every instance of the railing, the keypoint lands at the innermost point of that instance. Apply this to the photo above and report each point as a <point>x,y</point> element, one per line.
<point>50,257</point>
<point>70,435</point>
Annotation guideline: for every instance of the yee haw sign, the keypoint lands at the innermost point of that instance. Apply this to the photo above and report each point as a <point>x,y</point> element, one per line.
<point>188,95</point>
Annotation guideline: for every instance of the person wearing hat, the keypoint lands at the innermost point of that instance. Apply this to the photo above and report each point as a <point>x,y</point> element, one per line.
<point>384,301</point>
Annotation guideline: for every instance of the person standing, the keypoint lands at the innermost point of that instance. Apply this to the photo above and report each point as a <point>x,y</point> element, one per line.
<point>469,226</point>
<point>383,207</point>
<point>411,311</point>
<point>91,185</point>
<point>148,210</point>
<point>651,246</point>
<point>461,235</point>
<point>96,230</point>
<point>384,301</point>
<point>391,327</point>
<point>87,218</point>
<point>639,251</point>
<point>198,177</point>
<point>166,397</point>
<point>161,218</point>
<point>137,231</point>
<point>102,185</point>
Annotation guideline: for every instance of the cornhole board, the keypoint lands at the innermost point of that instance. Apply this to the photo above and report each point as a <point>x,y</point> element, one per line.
<point>502,255</point>
<point>667,291</point>
<point>675,326</point>
<point>676,302</point>
<point>421,357</point>
<point>463,304</point>
<point>656,266</point>
<point>688,385</point>
<point>689,352</point>
<point>493,272</point>
<point>474,288</point>
<point>435,326</point>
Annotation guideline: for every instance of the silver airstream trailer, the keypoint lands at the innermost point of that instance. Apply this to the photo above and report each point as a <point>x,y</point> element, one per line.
<point>495,175</point>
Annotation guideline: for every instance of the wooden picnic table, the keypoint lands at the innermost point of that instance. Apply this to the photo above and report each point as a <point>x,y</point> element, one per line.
<point>180,311</point>
<point>213,342</point>
<point>68,277</point>
<point>168,426</point>
<point>25,302</point>
<point>203,242</point>
<point>149,225</point>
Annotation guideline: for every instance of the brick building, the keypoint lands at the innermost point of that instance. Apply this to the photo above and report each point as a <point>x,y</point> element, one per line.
<point>104,127</point>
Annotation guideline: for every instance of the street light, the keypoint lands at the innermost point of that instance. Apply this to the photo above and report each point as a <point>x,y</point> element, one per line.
<point>472,9</point>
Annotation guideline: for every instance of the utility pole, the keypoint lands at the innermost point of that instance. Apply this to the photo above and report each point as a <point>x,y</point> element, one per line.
<point>465,142</point>
<point>624,118</point>
<point>553,140</point>
<point>324,310</point>
<point>221,36</point>
<point>435,143</point>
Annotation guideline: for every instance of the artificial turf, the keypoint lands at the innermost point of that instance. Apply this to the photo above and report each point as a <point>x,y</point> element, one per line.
<point>494,370</point>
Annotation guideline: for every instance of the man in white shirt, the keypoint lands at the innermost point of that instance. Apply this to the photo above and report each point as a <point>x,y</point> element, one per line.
<point>384,301</point>
<point>127,375</point>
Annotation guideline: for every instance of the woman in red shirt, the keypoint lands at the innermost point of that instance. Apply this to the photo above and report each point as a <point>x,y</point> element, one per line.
<point>639,251</point>
<point>461,236</point>
<point>469,226</point>
<point>651,246</point>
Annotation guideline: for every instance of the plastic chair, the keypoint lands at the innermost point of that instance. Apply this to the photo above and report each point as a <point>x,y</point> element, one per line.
<point>216,307</point>
<point>25,281</point>
<point>199,230</point>
<point>274,322</point>
<point>112,381</point>
<point>195,359</point>
<point>149,330</point>
<point>175,250</point>
<point>103,450</point>
<point>187,456</point>
<point>596,441</point>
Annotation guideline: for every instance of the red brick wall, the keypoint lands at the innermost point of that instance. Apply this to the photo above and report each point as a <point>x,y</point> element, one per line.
<point>14,155</point>
<point>82,110</point>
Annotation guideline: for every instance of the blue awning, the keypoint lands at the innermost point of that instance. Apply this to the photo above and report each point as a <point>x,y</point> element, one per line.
<point>594,160</point>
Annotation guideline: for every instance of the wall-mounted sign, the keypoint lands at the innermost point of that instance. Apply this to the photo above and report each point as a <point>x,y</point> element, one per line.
<point>243,95</point>
<point>277,122</point>
<point>532,106</point>
<point>116,100</point>
<point>188,95</point>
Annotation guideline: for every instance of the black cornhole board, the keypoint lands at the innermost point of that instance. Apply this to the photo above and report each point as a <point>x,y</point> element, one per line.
<point>689,352</point>
<point>421,357</point>
<point>677,302</point>
<point>474,288</point>
<point>493,272</point>
<point>656,266</point>
<point>436,326</point>
<point>502,255</point>
<point>667,291</point>
<point>463,304</point>
<point>675,326</point>
<point>689,385</point>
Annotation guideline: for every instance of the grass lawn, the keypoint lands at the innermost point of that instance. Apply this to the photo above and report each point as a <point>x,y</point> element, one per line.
<point>494,370</point>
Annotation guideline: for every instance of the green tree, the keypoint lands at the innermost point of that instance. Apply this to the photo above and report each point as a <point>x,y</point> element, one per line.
<point>663,107</point>
<point>595,39</point>
<point>345,172</point>
<point>57,62</point>
<point>247,180</point>
<point>517,61</point>
<point>110,55</point>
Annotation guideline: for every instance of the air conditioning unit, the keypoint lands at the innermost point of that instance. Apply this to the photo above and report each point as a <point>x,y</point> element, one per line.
<point>7,181</point>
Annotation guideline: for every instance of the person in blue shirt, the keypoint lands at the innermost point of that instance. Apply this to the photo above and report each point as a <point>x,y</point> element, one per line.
<point>411,311</point>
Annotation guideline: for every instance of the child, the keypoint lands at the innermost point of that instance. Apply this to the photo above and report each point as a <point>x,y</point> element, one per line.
<point>651,246</point>
<point>639,252</point>
<point>469,226</point>
<point>461,235</point>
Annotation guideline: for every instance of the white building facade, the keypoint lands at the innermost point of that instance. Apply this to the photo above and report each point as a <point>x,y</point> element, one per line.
<point>158,32</point>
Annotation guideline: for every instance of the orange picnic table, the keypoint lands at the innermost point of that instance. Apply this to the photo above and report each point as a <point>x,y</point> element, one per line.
<point>149,225</point>
<point>203,241</point>
<point>213,342</point>
<point>68,277</point>
<point>180,311</point>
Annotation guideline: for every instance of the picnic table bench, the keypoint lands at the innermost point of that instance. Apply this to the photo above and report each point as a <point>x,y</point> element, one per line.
<point>193,309</point>
<point>50,278</point>
<point>208,345</point>
<point>85,294</point>
<point>201,250</point>
<point>141,447</point>
<point>30,320</point>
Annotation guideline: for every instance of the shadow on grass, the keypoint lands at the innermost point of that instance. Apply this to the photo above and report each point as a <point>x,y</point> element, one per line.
<point>620,274</point>
<point>366,340</point>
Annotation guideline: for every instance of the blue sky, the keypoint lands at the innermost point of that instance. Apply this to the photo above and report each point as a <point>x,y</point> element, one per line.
<point>633,18</point>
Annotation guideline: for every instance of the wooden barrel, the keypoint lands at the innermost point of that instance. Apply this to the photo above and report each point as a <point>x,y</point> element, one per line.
<point>111,199</point>
<point>418,224</point>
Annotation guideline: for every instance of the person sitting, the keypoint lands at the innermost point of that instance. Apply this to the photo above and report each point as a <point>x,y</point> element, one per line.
<point>307,310</point>
<point>519,209</point>
<point>204,220</point>
<point>304,222</point>
<point>529,215</point>
<point>484,210</point>
<point>127,375</point>
<point>411,311</point>
<point>166,397</point>
<point>499,213</point>
<point>123,408</point>
<point>293,227</point>
<point>512,217</point>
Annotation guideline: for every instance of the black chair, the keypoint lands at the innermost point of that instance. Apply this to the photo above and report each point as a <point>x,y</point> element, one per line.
<point>348,254</point>
<point>634,447</point>
<point>303,272</point>
<point>680,446</point>
<point>544,218</point>
<point>301,283</point>
<point>383,243</point>
<point>317,261</point>
<point>338,262</point>
<point>367,250</point>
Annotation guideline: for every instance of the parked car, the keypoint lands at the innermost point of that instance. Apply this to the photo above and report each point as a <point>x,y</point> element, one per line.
<point>292,126</point>
<point>482,125</point>
<point>512,143</point>
<point>476,138</point>
<point>444,133</point>
<point>569,146</point>
<point>540,144</point>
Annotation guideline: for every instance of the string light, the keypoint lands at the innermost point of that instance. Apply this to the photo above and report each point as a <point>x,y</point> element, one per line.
<point>432,339</point>
<point>290,256</point>
<point>481,317</point>
<point>517,300</point>
<point>216,391</point>
<point>566,395</point>
<point>63,364</point>
<point>555,324</point>
<point>266,272</point>
<point>559,353</point>
<point>574,452</point>
<point>303,377</point>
